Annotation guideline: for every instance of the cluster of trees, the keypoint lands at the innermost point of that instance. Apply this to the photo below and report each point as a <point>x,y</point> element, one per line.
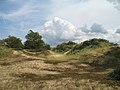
<point>33,42</point>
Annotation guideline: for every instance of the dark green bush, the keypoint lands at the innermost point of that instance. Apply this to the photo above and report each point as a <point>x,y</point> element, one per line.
<point>115,75</point>
<point>13,42</point>
<point>92,43</point>
<point>64,47</point>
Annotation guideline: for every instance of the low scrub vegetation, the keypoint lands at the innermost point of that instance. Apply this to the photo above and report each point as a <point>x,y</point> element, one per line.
<point>115,75</point>
<point>91,44</point>
<point>4,51</point>
<point>64,47</point>
<point>88,51</point>
<point>13,42</point>
<point>111,58</point>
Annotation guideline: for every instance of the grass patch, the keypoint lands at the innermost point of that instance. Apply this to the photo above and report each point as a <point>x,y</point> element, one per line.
<point>63,58</point>
<point>4,51</point>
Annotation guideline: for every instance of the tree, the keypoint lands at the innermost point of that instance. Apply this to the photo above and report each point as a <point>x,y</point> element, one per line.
<point>13,42</point>
<point>34,41</point>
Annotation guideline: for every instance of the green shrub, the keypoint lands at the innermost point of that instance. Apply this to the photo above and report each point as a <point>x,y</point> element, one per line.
<point>64,47</point>
<point>13,42</point>
<point>111,58</point>
<point>115,75</point>
<point>92,43</point>
<point>4,51</point>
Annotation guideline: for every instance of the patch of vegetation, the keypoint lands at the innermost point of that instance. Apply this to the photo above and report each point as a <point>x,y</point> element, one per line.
<point>90,50</point>
<point>4,51</point>
<point>13,42</point>
<point>93,43</point>
<point>111,58</point>
<point>115,75</point>
<point>64,47</point>
<point>61,59</point>
<point>1,42</point>
<point>34,42</point>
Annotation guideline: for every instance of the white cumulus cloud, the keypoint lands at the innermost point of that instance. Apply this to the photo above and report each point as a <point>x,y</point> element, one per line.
<point>58,30</point>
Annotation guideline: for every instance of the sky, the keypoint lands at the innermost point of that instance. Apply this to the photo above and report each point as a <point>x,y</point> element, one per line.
<point>61,20</point>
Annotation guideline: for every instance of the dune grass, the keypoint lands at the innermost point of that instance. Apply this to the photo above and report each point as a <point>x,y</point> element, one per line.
<point>64,58</point>
<point>5,52</point>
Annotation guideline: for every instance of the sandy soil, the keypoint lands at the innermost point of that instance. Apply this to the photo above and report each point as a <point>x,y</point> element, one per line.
<point>25,72</point>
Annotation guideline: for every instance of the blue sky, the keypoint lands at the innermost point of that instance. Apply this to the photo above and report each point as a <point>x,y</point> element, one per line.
<point>90,18</point>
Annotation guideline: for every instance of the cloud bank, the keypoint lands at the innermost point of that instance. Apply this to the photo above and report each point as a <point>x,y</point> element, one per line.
<point>116,3</point>
<point>59,30</point>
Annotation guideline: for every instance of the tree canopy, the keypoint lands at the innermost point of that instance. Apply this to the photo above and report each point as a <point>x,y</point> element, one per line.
<point>34,41</point>
<point>13,42</point>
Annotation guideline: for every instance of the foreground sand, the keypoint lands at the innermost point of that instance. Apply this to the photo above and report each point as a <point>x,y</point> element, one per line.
<point>33,73</point>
